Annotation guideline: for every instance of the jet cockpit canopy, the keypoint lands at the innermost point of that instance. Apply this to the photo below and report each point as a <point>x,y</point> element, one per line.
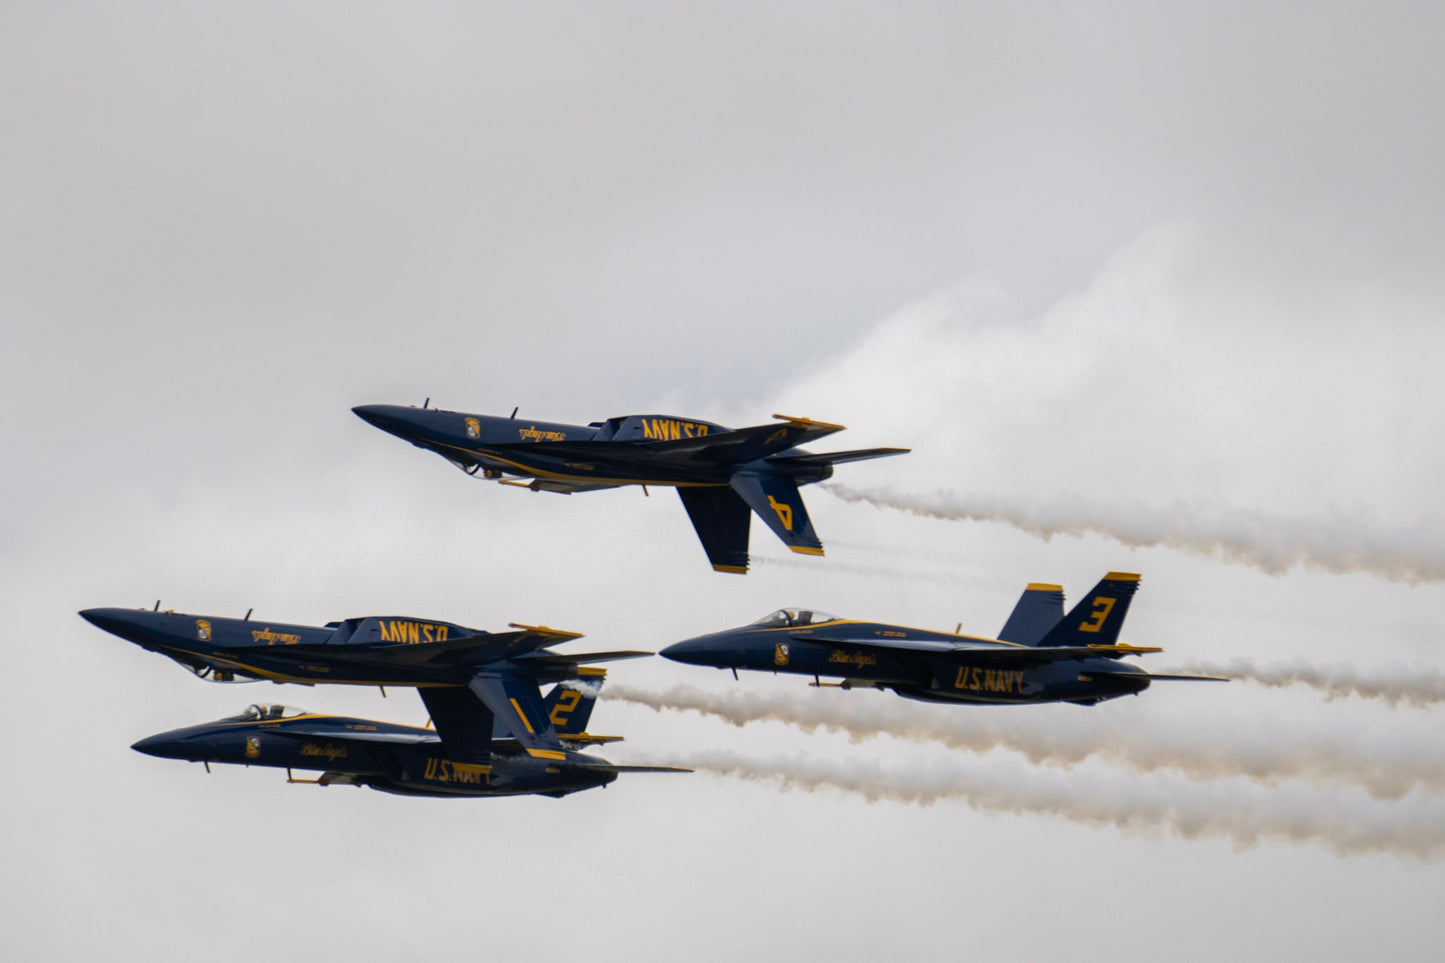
<point>266,712</point>
<point>791,618</point>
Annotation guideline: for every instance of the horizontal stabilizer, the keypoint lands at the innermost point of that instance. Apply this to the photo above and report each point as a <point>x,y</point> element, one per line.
<point>1164,678</point>
<point>586,658</point>
<point>588,739</point>
<point>609,767</point>
<point>836,457</point>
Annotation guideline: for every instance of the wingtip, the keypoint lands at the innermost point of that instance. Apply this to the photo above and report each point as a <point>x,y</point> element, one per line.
<point>545,630</point>
<point>808,422</point>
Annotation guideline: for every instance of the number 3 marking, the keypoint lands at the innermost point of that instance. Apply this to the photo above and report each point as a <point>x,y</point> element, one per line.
<point>1102,607</point>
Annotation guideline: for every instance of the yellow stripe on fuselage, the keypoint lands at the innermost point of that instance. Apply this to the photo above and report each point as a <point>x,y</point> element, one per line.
<point>593,479</point>
<point>302,680</point>
<point>904,628</point>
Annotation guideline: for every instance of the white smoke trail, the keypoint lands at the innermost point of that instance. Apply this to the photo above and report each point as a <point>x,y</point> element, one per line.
<point>1393,684</point>
<point>1247,816</point>
<point>866,571</point>
<point>1338,543</point>
<point>1388,764</point>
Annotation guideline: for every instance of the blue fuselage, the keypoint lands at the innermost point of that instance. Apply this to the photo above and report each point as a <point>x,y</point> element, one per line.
<point>353,652</point>
<point>606,454</point>
<point>975,676</point>
<point>384,756</point>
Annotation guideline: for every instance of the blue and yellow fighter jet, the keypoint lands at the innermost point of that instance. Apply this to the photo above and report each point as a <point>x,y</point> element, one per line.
<point>723,474</point>
<point>467,678</point>
<point>403,759</point>
<point>1041,655</point>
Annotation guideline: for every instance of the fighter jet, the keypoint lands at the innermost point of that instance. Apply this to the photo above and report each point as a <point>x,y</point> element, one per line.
<point>1041,655</point>
<point>401,759</point>
<point>467,678</point>
<point>722,474</point>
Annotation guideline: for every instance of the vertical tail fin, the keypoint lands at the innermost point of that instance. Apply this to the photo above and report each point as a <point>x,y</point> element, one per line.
<point>1099,617</point>
<point>1038,610</point>
<point>721,519</point>
<point>569,704</point>
<point>776,501</point>
<point>465,724</point>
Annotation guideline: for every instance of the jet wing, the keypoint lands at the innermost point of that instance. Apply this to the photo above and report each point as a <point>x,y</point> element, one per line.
<point>736,445</point>
<point>984,651</point>
<point>478,649</point>
<point>465,650</point>
<point>517,704</point>
<point>745,444</point>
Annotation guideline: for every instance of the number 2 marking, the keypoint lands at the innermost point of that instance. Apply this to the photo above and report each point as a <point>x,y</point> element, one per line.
<point>565,704</point>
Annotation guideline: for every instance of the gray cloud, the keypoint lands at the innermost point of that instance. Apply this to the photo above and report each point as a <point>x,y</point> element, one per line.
<point>1178,255</point>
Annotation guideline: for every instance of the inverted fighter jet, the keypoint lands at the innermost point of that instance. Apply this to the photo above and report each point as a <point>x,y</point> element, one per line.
<point>467,678</point>
<point>1041,655</point>
<point>724,475</point>
<point>401,759</point>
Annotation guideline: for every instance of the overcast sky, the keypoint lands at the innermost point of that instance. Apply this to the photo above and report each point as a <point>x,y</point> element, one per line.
<point>1130,268</point>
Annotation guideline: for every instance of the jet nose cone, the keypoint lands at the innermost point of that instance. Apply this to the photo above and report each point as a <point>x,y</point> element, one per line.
<point>703,650</point>
<point>371,414</point>
<point>392,419</point>
<point>110,620</point>
<point>165,745</point>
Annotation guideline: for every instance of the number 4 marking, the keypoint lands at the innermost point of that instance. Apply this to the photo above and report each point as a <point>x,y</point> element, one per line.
<point>784,510</point>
